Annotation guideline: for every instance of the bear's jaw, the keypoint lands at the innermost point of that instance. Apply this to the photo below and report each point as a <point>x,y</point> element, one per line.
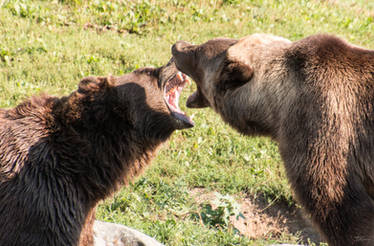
<point>172,90</point>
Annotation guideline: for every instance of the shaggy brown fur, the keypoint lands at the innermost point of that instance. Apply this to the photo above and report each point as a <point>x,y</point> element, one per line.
<point>315,97</point>
<point>60,156</point>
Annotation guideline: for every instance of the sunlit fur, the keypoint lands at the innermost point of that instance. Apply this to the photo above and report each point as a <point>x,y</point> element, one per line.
<point>315,97</point>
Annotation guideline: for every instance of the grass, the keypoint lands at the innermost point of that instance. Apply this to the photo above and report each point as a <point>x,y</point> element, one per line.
<point>48,46</point>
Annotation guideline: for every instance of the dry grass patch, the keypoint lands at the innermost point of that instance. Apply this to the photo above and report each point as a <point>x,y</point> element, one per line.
<point>260,219</point>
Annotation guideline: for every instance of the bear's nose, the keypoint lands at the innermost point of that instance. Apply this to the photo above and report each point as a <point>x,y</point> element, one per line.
<point>179,46</point>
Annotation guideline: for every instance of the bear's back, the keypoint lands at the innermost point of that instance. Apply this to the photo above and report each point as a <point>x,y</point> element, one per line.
<point>331,56</point>
<point>335,84</point>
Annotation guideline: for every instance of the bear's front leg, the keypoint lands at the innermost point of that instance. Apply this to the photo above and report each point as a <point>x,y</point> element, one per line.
<point>87,234</point>
<point>343,211</point>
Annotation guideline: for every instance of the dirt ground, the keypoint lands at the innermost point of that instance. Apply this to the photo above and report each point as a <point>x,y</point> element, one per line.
<point>264,221</point>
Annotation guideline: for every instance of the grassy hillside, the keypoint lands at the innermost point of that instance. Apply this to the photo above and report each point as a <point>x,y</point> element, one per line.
<point>48,46</point>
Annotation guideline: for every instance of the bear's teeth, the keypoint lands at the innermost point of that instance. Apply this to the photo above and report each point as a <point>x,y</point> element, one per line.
<point>184,79</point>
<point>180,76</point>
<point>173,90</point>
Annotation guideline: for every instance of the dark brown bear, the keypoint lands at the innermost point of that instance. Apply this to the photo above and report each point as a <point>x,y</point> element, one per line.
<point>60,156</point>
<point>315,97</point>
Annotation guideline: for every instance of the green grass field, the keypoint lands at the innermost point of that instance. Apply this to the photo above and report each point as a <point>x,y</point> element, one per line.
<point>48,46</point>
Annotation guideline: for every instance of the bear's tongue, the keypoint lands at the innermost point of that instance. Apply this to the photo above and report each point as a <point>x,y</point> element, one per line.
<point>173,89</point>
<point>173,98</point>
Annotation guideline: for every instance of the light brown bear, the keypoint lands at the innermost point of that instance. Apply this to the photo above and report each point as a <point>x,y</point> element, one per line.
<point>315,97</point>
<point>60,156</point>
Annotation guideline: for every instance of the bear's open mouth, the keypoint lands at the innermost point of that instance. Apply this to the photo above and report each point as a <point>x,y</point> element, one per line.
<point>172,91</point>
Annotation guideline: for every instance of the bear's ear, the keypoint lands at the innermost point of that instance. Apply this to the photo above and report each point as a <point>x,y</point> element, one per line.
<point>94,85</point>
<point>235,74</point>
<point>237,69</point>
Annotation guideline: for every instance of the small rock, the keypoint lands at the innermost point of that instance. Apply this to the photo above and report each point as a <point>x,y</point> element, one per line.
<point>110,234</point>
<point>286,245</point>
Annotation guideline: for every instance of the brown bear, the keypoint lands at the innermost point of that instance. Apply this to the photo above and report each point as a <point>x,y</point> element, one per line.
<point>60,156</point>
<point>315,97</point>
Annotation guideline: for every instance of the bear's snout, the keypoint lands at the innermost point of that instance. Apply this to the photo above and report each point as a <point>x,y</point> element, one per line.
<point>183,53</point>
<point>179,47</point>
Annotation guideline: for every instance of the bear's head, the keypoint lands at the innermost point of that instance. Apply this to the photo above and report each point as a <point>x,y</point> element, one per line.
<point>220,64</point>
<point>145,100</point>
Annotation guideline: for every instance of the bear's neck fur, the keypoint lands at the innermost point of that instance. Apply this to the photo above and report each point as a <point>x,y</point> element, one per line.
<point>115,148</point>
<point>257,107</point>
